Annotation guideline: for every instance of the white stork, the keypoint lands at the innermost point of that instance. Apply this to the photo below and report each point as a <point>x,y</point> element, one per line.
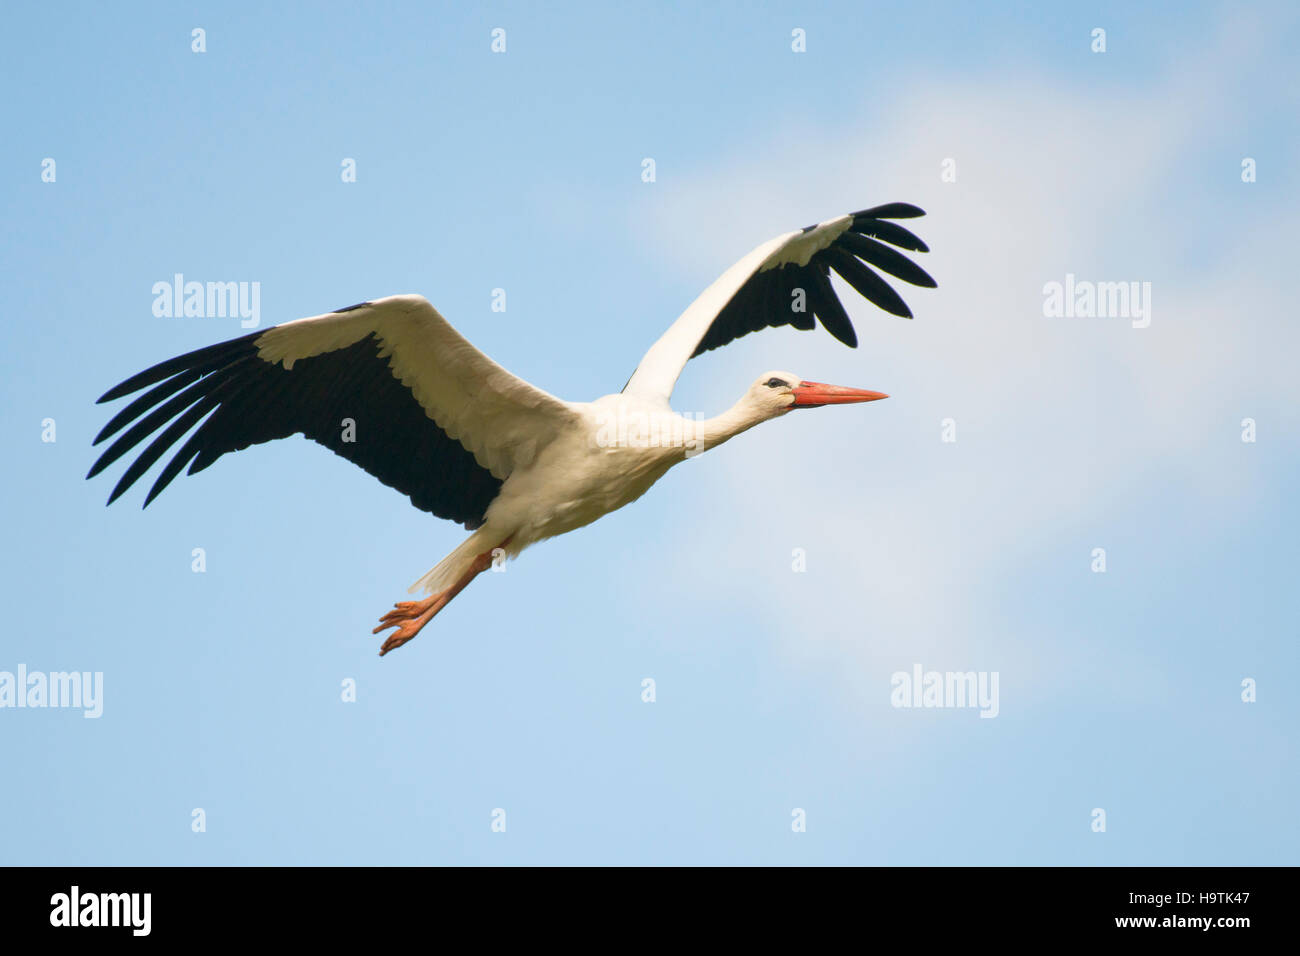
<point>441,422</point>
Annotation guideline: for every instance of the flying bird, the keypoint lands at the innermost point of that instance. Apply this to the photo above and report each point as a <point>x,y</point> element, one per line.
<point>391,386</point>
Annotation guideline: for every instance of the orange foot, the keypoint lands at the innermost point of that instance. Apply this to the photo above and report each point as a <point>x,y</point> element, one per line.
<point>409,617</point>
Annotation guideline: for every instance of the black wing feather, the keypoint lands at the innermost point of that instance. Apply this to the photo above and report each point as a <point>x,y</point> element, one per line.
<point>148,400</point>
<point>831,312</point>
<point>206,358</point>
<point>765,301</point>
<point>868,285</point>
<point>887,260</point>
<point>890,232</point>
<point>892,210</point>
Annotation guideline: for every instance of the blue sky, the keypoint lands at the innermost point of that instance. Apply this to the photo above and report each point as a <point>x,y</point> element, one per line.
<point>1118,690</point>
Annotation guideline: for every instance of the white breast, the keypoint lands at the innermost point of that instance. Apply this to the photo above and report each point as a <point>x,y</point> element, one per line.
<point>623,446</point>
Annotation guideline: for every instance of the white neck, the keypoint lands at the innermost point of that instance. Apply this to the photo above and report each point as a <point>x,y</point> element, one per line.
<point>740,417</point>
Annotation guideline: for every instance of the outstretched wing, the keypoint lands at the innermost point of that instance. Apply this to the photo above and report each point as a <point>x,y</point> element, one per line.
<point>786,281</point>
<point>389,385</point>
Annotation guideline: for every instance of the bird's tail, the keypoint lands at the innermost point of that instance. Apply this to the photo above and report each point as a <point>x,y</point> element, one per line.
<point>453,567</point>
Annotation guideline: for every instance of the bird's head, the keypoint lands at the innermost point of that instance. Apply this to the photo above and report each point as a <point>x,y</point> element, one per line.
<point>779,392</point>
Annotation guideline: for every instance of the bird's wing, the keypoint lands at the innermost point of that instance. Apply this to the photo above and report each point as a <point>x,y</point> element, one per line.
<point>763,289</point>
<point>388,385</point>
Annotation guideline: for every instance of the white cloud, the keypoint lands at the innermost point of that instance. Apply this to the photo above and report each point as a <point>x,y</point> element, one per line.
<point>1062,423</point>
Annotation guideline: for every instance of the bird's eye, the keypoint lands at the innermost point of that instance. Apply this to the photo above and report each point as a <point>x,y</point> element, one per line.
<point>776,383</point>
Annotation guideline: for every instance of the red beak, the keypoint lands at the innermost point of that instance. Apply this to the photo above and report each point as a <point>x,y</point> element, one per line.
<point>815,394</point>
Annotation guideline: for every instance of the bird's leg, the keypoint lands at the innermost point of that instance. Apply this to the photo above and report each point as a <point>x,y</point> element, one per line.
<point>409,617</point>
